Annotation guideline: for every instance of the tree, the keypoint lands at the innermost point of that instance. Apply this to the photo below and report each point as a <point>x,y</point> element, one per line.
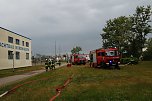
<point>116,32</point>
<point>128,32</point>
<point>140,26</point>
<point>76,50</point>
<point>147,55</point>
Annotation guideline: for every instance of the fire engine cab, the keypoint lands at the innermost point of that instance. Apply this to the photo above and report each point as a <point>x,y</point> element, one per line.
<point>78,59</point>
<point>105,58</point>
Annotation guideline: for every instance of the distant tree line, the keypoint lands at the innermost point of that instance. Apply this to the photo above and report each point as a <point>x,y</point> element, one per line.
<point>76,50</point>
<point>129,33</point>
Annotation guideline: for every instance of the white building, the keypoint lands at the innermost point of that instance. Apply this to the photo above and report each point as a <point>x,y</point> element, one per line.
<point>15,49</point>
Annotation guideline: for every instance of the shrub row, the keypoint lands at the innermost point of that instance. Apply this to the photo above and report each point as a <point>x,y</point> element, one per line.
<point>133,60</point>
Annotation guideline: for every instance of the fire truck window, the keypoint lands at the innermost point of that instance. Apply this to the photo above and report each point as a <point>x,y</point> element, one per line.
<point>111,53</point>
<point>101,54</point>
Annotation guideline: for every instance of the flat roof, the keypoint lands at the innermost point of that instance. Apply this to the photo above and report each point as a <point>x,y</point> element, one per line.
<point>14,33</point>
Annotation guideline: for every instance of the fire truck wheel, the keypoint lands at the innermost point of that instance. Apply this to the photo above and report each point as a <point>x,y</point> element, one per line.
<point>103,65</point>
<point>117,67</point>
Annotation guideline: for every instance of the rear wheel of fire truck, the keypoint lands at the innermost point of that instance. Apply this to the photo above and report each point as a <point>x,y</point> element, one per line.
<point>103,65</point>
<point>117,66</point>
<point>77,63</point>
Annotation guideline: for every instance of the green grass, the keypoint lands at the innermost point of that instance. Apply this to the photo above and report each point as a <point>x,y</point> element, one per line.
<point>131,83</point>
<point>21,70</point>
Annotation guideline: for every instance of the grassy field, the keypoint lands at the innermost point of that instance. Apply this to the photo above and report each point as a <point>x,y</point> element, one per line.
<point>9,72</point>
<point>21,70</point>
<point>131,83</point>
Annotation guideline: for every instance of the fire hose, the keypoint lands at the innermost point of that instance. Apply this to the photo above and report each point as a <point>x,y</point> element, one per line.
<point>60,88</point>
<point>18,86</point>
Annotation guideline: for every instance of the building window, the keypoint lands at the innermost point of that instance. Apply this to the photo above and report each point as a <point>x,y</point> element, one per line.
<point>17,41</point>
<point>22,43</point>
<point>27,56</point>
<point>10,39</point>
<point>27,44</point>
<point>17,55</point>
<point>10,54</point>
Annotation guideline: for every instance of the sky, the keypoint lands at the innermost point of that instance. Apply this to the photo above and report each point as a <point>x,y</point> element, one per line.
<point>68,23</point>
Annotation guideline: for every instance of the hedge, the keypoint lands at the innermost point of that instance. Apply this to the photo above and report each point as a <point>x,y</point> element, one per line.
<point>130,60</point>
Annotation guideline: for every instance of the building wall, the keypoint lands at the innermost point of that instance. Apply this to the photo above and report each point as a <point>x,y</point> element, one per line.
<point>6,46</point>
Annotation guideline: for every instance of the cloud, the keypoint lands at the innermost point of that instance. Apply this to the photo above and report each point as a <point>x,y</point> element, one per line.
<point>69,22</point>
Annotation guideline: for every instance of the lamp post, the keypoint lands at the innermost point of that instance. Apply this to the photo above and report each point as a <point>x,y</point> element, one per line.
<point>13,61</point>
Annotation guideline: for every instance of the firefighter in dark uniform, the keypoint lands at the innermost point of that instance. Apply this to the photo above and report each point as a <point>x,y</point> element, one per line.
<point>53,64</point>
<point>59,62</point>
<point>46,65</point>
<point>50,67</point>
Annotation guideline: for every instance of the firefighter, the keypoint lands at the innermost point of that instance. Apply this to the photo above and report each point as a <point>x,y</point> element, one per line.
<point>52,64</point>
<point>46,65</point>
<point>50,67</point>
<point>59,62</point>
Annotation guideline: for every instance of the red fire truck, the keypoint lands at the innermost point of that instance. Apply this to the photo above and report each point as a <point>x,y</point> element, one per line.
<point>78,59</point>
<point>105,58</point>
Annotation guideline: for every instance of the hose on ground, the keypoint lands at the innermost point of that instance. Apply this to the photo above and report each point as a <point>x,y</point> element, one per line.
<point>60,88</point>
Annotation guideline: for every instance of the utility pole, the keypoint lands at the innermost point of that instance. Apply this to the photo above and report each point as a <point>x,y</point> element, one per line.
<point>55,49</point>
<point>59,50</point>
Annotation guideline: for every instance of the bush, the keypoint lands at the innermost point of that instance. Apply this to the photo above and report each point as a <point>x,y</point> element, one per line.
<point>133,60</point>
<point>147,55</point>
<point>124,60</point>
